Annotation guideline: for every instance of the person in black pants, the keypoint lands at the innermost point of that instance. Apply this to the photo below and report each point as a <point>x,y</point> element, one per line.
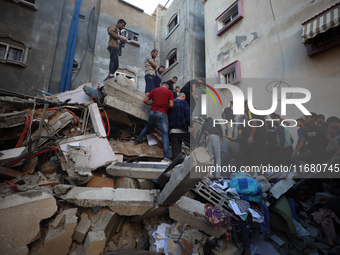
<point>188,89</point>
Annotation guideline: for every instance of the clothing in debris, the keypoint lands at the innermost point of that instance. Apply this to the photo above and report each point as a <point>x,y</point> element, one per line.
<point>325,217</point>
<point>216,216</point>
<point>248,189</point>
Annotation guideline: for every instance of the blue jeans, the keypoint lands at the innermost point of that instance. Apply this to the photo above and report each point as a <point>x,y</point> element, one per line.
<point>161,119</point>
<point>150,82</point>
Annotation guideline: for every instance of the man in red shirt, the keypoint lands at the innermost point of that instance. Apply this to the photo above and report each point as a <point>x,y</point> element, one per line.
<point>162,99</point>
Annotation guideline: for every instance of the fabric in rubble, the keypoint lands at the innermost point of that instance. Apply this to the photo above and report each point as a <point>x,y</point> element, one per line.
<point>216,216</point>
<point>248,189</point>
<point>325,217</point>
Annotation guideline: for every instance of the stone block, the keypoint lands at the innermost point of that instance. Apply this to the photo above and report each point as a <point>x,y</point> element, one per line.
<point>125,183</point>
<point>94,243</point>
<point>190,211</point>
<point>183,177</point>
<point>122,201</point>
<point>107,221</point>
<point>82,228</point>
<point>123,97</point>
<point>136,170</point>
<point>20,215</point>
<point>59,237</point>
<point>146,184</point>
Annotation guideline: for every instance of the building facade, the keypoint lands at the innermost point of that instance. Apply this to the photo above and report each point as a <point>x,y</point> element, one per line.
<point>267,44</point>
<point>34,36</point>
<point>180,40</point>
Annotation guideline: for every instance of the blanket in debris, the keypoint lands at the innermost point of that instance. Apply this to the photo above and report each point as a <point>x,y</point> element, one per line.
<point>216,216</point>
<point>248,189</point>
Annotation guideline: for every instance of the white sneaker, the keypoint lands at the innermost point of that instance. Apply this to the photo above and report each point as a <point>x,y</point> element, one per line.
<point>166,161</point>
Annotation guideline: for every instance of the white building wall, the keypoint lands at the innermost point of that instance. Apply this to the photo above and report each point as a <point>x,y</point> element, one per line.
<point>254,42</point>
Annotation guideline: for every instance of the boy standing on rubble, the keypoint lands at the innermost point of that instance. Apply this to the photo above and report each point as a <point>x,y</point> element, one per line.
<point>113,32</point>
<point>162,98</point>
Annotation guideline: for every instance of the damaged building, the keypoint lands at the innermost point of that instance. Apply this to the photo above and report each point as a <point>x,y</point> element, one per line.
<point>72,180</point>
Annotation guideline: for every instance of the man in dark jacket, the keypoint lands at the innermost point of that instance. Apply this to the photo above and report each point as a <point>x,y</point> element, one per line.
<point>179,123</point>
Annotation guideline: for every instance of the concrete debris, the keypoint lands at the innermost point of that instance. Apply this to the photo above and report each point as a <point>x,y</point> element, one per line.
<point>181,180</point>
<point>7,155</point>
<point>82,228</point>
<point>123,97</point>
<point>20,215</point>
<point>75,96</point>
<point>190,211</point>
<point>123,201</point>
<point>73,182</point>
<point>96,120</point>
<point>149,170</point>
<point>59,236</point>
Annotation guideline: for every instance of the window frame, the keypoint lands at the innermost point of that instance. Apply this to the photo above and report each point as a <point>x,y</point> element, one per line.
<point>27,4</point>
<point>221,27</point>
<point>173,17</point>
<point>233,67</point>
<point>23,48</point>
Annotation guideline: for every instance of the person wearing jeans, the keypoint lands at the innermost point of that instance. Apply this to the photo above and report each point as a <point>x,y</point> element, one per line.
<point>161,119</point>
<point>162,98</point>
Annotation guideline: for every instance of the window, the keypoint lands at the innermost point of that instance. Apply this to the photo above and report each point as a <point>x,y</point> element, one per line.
<point>172,24</point>
<point>230,74</point>
<point>128,74</point>
<point>171,59</point>
<point>27,3</point>
<point>130,35</point>
<point>81,17</point>
<point>322,32</point>
<point>12,53</point>
<point>229,17</point>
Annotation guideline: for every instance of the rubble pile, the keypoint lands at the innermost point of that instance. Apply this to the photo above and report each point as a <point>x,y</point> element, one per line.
<point>72,182</point>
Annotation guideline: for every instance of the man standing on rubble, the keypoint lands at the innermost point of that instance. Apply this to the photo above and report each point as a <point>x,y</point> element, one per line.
<point>179,123</point>
<point>162,98</point>
<point>113,32</point>
<point>150,71</point>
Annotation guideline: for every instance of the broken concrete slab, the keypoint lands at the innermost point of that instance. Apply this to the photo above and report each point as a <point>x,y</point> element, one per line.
<point>59,237</point>
<point>183,178</point>
<point>97,120</point>
<point>82,228</point>
<point>94,243</point>
<point>55,125</point>
<point>20,215</point>
<point>8,155</point>
<point>107,221</point>
<point>77,95</point>
<point>190,211</point>
<point>122,201</point>
<point>136,170</point>
<point>13,119</point>
<point>101,152</point>
<point>123,97</point>
<point>140,150</point>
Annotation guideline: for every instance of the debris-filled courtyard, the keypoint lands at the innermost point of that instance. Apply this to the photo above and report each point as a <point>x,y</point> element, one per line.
<point>72,182</point>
